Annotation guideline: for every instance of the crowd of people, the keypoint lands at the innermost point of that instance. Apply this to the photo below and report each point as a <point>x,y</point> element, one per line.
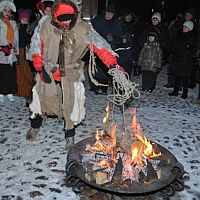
<point>144,48</point>
<point>41,56</point>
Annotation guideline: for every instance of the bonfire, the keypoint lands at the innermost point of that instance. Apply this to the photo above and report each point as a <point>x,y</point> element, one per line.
<point>120,157</point>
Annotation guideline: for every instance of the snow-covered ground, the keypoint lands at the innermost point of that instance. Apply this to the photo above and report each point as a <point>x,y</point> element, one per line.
<point>37,170</point>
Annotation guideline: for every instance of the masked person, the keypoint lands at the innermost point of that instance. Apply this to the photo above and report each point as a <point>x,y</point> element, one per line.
<point>9,51</point>
<point>59,46</point>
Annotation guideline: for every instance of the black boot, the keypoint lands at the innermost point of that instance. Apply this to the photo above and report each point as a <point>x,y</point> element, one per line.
<point>185,92</point>
<point>69,138</point>
<point>174,93</point>
<point>35,125</point>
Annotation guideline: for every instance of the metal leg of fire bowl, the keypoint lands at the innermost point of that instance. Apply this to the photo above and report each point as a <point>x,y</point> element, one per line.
<point>72,167</point>
<point>178,185</point>
<point>79,187</point>
<point>167,192</point>
<point>178,170</point>
<point>70,181</point>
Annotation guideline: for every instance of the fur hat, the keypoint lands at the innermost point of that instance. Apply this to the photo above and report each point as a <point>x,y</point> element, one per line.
<point>111,8</point>
<point>189,24</point>
<point>157,15</point>
<point>7,3</point>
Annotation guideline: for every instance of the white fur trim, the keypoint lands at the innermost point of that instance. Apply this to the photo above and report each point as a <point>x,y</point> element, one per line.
<point>78,112</point>
<point>92,37</point>
<point>35,106</point>
<point>7,3</point>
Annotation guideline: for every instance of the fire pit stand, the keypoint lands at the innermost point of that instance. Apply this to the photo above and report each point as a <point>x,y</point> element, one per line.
<point>170,180</point>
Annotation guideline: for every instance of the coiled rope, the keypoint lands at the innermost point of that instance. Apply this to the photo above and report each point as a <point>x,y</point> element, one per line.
<point>123,88</point>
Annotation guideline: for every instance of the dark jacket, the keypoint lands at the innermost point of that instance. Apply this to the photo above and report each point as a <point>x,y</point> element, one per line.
<point>162,33</point>
<point>107,28</point>
<point>131,32</point>
<point>181,52</point>
<point>150,57</point>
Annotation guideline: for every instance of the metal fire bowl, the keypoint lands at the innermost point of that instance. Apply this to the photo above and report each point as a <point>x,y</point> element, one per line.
<point>170,171</point>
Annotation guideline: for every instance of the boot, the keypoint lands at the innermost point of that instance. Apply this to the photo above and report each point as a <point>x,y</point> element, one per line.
<point>69,142</point>
<point>184,95</point>
<point>31,134</point>
<point>69,138</point>
<point>174,93</point>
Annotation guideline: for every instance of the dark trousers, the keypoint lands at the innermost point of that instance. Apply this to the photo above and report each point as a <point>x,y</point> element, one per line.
<point>148,80</point>
<point>8,79</point>
<point>181,80</point>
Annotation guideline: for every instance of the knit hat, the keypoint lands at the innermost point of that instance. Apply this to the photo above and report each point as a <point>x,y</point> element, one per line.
<point>111,8</point>
<point>7,3</point>
<point>156,15</point>
<point>24,14</point>
<point>189,24</point>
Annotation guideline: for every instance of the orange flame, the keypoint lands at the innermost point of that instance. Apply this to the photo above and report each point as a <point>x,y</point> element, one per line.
<point>137,149</point>
<point>148,150</point>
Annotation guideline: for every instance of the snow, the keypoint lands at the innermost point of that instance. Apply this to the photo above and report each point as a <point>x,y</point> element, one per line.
<point>36,170</point>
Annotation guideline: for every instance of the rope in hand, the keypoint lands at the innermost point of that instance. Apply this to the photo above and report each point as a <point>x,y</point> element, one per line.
<point>123,88</point>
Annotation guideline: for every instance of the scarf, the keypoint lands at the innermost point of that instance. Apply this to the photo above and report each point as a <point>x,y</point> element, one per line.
<point>10,31</point>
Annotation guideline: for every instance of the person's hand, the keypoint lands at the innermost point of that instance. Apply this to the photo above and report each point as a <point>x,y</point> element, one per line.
<point>45,76</point>
<point>109,37</point>
<point>120,68</point>
<point>6,49</point>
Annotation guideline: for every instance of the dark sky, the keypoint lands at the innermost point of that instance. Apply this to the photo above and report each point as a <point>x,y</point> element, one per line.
<point>140,7</point>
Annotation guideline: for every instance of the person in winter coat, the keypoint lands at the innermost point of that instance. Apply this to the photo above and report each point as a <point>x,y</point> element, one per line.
<point>24,73</point>
<point>173,28</point>
<point>9,51</point>
<point>150,62</point>
<point>110,29</point>
<point>162,32</point>
<point>180,62</point>
<point>131,42</point>
<point>57,52</point>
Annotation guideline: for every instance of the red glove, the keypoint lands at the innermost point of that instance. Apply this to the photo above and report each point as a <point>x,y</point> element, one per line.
<point>45,76</point>
<point>120,68</point>
<point>6,49</point>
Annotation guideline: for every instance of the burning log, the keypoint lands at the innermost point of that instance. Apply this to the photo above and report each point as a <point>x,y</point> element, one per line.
<point>151,173</point>
<point>118,172</point>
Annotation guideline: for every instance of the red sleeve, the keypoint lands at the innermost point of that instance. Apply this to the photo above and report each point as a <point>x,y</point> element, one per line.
<point>107,58</point>
<point>38,60</point>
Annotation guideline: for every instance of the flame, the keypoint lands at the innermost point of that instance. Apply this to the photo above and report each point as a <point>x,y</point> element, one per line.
<point>98,146</point>
<point>107,113</point>
<point>104,163</point>
<point>135,125</point>
<point>137,149</point>
<point>148,151</point>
